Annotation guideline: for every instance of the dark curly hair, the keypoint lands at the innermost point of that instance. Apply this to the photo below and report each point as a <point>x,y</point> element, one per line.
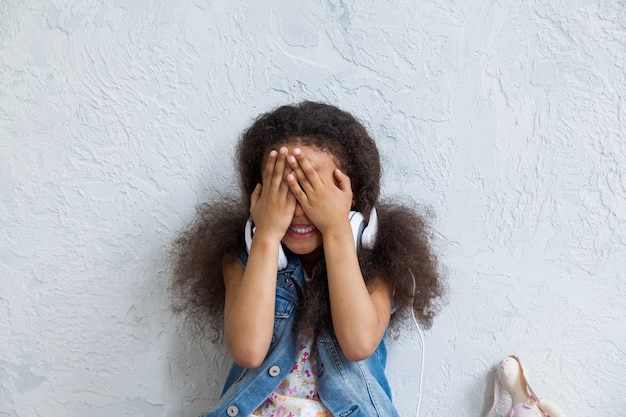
<point>402,254</point>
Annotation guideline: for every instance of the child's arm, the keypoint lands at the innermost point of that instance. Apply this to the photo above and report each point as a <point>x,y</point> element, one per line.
<point>360,314</point>
<point>251,292</point>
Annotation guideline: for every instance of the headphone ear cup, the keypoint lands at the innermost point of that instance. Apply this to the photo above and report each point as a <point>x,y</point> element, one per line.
<point>368,237</point>
<point>247,234</point>
<point>357,224</point>
<point>364,235</point>
<point>282,258</point>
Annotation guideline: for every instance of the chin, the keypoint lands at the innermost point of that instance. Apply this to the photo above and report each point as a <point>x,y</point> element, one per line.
<point>303,249</point>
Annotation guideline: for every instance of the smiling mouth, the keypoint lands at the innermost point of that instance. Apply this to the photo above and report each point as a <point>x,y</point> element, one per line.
<point>301,229</point>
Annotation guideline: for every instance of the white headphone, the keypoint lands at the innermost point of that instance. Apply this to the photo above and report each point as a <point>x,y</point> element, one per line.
<point>362,235</point>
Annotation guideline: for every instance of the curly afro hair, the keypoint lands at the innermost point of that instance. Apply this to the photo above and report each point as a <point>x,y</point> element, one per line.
<point>402,255</point>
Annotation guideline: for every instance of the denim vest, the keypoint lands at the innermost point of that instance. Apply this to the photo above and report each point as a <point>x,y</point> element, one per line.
<point>355,389</point>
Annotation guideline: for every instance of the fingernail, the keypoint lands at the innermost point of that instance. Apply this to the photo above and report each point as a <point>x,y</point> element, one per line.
<point>297,151</point>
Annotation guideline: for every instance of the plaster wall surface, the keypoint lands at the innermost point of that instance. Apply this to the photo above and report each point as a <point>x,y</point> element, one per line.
<point>506,118</point>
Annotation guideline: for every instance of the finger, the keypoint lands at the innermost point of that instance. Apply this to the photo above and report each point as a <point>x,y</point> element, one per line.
<point>295,169</point>
<point>285,182</point>
<point>268,171</point>
<point>256,195</point>
<point>343,181</point>
<point>288,170</point>
<point>300,176</point>
<point>291,198</point>
<point>279,167</point>
<point>296,189</point>
<point>307,168</point>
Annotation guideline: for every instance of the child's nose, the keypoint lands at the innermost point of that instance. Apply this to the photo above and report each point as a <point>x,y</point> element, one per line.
<point>298,211</point>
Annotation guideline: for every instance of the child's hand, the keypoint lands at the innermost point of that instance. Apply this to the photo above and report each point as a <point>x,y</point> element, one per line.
<point>272,204</point>
<point>325,195</point>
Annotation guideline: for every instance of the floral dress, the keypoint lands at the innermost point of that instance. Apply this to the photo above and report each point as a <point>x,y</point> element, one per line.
<point>297,396</point>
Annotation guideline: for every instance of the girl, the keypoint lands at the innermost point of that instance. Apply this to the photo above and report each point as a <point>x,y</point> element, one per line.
<point>306,271</point>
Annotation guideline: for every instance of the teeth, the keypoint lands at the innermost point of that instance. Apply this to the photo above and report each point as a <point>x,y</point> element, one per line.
<point>302,229</point>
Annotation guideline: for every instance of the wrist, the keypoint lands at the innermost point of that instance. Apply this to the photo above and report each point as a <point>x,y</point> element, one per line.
<point>267,236</point>
<point>339,232</point>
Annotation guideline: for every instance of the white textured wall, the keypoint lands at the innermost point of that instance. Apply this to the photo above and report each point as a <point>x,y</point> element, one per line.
<point>118,117</point>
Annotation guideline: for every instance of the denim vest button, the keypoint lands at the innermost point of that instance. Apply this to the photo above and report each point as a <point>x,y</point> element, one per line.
<point>232,411</point>
<point>274,370</point>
